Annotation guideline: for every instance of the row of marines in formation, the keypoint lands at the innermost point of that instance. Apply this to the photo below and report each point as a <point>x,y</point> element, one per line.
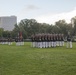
<point>10,40</point>
<point>47,40</point>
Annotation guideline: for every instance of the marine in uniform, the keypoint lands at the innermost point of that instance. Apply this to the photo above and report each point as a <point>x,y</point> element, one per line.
<point>69,40</point>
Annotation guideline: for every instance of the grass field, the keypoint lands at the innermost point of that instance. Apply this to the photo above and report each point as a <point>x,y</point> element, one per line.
<point>25,60</point>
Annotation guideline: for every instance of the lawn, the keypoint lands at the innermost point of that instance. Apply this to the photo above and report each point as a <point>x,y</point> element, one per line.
<point>25,60</point>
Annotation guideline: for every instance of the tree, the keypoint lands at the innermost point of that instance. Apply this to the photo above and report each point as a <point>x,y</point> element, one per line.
<point>62,26</point>
<point>73,23</point>
<point>1,32</point>
<point>27,27</point>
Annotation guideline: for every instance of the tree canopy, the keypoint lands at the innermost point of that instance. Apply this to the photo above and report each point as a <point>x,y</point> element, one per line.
<point>31,26</point>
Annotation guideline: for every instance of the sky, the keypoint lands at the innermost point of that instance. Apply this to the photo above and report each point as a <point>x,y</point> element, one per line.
<point>44,11</point>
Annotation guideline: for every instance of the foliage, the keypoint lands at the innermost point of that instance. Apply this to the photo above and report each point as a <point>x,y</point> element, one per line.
<point>1,31</point>
<point>31,26</point>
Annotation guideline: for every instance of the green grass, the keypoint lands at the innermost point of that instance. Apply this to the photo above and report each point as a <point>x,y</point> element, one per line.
<point>25,60</point>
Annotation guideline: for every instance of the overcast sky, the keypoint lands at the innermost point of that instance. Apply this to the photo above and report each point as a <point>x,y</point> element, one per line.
<point>48,11</point>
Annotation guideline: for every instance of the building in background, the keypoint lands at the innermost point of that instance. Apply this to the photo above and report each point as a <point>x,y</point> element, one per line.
<point>8,22</point>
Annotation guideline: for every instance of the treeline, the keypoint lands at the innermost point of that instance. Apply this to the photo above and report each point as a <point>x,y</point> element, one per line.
<point>31,26</point>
